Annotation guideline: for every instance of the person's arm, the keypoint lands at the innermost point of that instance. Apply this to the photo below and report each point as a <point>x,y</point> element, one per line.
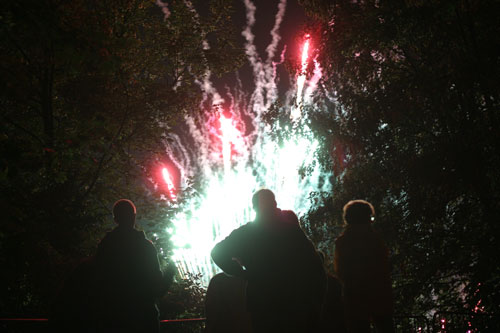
<point>224,252</point>
<point>158,281</point>
<point>290,217</point>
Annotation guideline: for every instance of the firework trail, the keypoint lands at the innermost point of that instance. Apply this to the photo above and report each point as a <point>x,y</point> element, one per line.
<point>164,8</point>
<point>231,157</point>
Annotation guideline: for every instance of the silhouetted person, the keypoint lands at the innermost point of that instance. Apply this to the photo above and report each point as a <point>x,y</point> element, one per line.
<point>332,319</point>
<point>362,264</point>
<point>74,307</point>
<point>286,280</point>
<point>129,276</point>
<point>225,305</point>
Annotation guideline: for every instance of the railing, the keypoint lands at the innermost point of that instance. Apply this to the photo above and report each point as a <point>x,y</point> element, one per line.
<point>442,322</point>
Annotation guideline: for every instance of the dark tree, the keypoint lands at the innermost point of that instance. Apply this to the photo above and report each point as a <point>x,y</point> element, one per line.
<point>89,90</point>
<point>412,126</point>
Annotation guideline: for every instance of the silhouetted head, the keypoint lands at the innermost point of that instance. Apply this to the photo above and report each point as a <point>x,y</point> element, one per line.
<point>358,212</point>
<point>124,213</point>
<point>264,203</point>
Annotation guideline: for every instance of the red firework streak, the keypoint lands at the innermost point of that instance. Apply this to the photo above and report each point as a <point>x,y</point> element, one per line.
<point>305,54</point>
<point>301,79</point>
<point>170,184</point>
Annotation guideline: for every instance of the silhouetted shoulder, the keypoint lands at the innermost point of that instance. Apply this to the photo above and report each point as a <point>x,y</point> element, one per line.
<point>242,231</point>
<point>218,278</point>
<point>289,216</point>
<point>219,281</point>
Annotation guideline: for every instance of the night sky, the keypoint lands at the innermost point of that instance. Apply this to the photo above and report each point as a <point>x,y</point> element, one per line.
<point>290,30</point>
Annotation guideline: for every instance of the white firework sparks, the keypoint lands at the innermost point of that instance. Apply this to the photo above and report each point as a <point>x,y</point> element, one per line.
<point>232,164</point>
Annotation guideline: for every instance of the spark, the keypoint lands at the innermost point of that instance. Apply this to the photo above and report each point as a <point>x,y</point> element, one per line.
<point>164,9</point>
<point>230,137</point>
<point>295,112</point>
<point>170,184</point>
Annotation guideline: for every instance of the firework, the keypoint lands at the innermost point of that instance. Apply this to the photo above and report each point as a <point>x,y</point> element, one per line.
<point>231,157</point>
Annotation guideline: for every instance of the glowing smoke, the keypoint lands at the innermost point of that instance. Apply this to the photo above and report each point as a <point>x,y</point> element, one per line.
<point>230,158</point>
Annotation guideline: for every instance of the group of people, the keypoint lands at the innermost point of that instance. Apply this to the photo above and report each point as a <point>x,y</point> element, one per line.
<point>275,280</point>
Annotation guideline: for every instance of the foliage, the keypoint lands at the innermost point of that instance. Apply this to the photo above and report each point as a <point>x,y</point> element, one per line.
<point>89,89</point>
<point>412,127</point>
<point>185,299</point>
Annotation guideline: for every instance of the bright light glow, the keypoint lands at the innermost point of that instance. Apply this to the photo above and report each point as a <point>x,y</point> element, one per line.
<point>225,202</point>
<point>233,153</point>
<point>305,54</point>
<point>170,184</point>
<point>295,112</point>
<point>230,137</point>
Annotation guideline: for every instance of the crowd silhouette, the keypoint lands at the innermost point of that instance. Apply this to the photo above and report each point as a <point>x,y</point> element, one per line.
<point>289,288</point>
<point>273,280</point>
